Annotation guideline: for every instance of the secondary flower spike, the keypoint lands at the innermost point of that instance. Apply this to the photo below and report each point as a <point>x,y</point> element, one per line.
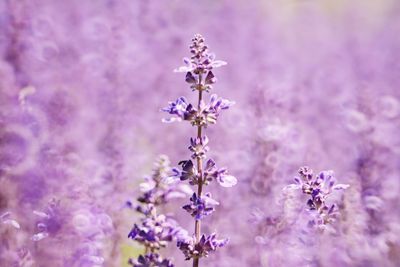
<point>318,187</point>
<point>155,231</point>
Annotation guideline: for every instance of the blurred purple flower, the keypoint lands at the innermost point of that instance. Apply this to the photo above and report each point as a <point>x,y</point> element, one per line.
<point>159,187</point>
<point>211,172</point>
<point>318,187</point>
<point>156,230</point>
<point>150,260</point>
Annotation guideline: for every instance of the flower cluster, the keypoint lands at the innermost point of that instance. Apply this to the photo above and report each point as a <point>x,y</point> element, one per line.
<point>200,77</point>
<point>200,62</point>
<point>199,146</point>
<point>207,244</point>
<point>211,172</point>
<point>156,230</point>
<point>201,206</point>
<point>319,187</point>
<point>203,115</point>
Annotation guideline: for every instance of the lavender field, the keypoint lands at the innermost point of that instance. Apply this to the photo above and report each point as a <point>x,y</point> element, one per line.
<point>104,164</point>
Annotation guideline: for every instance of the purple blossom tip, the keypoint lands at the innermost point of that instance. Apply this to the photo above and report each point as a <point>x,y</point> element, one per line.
<point>201,60</point>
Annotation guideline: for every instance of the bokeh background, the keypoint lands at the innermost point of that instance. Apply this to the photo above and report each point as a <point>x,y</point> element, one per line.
<point>315,83</point>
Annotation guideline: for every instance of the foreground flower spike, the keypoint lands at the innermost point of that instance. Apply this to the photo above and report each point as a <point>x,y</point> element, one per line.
<point>200,76</point>
<point>319,187</point>
<point>156,230</point>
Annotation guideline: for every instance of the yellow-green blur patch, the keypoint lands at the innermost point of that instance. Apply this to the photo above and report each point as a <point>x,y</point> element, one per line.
<point>129,251</point>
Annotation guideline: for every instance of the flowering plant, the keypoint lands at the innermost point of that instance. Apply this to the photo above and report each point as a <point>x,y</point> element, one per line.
<point>199,75</point>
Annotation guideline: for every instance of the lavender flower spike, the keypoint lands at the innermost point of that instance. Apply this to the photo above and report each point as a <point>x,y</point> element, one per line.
<point>200,77</point>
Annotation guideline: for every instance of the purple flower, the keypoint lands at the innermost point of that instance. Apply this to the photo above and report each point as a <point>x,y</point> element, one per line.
<point>200,77</point>
<point>211,172</point>
<point>201,60</point>
<point>217,104</point>
<point>209,114</point>
<point>192,249</point>
<point>181,109</point>
<point>319,187</point>
<point>188,172</point>
<point>154,232</point>
<point>202,116</point>
<point>200,206</point>
<point>158,188</point>
<point>190,78</point>
<point>199,147</point>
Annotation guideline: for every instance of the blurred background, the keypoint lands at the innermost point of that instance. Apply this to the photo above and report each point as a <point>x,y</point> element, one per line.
<point>81,87</point>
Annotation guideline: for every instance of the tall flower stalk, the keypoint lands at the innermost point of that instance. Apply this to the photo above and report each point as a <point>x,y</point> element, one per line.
<point>199,75</point>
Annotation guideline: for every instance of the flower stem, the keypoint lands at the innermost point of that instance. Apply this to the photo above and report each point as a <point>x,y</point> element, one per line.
<point>197,225</point>
<point>195,262</point>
